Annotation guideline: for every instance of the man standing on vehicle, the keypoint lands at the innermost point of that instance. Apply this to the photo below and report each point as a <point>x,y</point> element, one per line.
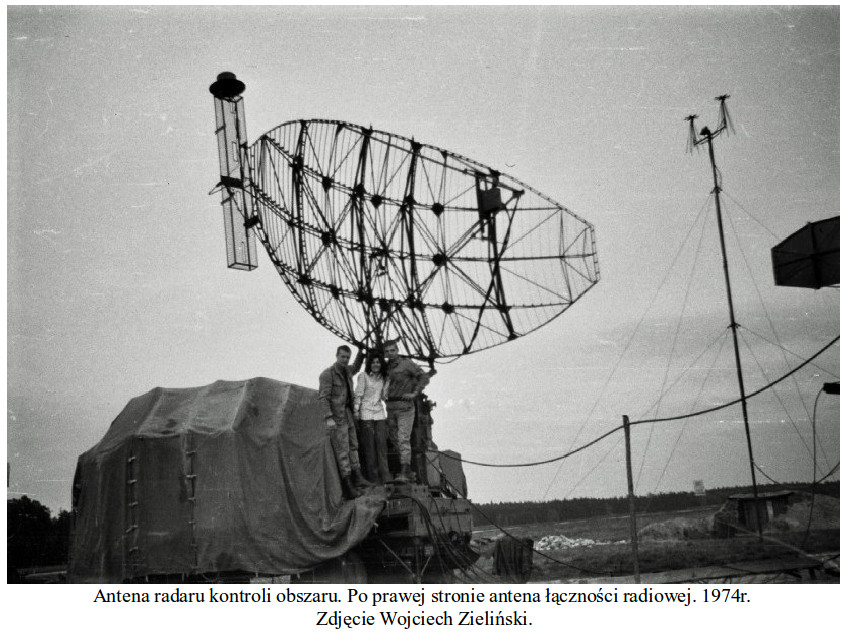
<point>335,397</point>
<point>407,380</point>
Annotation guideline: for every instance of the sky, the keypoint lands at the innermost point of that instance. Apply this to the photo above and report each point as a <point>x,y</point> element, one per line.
<point>116,264</point>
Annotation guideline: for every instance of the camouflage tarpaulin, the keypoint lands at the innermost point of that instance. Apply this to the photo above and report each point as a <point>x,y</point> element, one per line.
<point>236,476</point>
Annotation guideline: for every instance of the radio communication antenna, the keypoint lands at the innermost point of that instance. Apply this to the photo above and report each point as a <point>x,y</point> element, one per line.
<point>705,135</point>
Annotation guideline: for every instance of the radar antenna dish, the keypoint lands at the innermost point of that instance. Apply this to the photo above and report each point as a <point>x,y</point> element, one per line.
<point>379,236</point>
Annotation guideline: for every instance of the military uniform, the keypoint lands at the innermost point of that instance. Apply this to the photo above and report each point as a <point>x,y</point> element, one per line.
<point>405,377</point>
<point>335,396</point>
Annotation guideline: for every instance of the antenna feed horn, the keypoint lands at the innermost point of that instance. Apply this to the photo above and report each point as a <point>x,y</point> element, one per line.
<point>227,86</point>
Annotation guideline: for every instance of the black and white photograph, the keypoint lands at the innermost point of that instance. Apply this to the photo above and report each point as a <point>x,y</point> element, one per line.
<point>310,300</point>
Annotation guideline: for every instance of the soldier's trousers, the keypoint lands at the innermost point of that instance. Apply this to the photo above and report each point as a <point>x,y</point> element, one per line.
<point>400,423</point>
<point>345,444</point>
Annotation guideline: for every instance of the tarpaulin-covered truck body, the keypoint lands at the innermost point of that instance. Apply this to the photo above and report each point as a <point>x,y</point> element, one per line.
<point>237,479</point>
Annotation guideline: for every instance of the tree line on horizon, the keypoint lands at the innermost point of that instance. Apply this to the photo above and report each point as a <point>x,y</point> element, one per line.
<point>509,513</point>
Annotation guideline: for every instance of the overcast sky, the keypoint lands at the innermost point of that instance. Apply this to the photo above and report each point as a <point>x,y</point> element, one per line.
<point>117,278</point>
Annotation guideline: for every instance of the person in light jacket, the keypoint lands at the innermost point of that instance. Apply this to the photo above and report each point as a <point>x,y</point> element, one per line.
<point>335,397</point>
<point>371,419</point>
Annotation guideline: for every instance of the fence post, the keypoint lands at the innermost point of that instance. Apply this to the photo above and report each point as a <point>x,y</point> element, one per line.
<point>631,513</point>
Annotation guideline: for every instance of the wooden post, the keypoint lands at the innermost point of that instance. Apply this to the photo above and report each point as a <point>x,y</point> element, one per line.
<point>631,512</point>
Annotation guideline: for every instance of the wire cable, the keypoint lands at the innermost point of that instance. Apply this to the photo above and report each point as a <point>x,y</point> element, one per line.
<point>593,469</point>
<point>748,213</point>
<point>819,367</point>
<point>686,422</point>
<point>813,487</point>
<point>693,363</point>
<point>829,473</point>
<point>748,396</point>
<point>508,534</point>
<point>642,318</point>
<point>537,463</point>
<point>777,396</point>
<point>779,483</point>
<point>649,421</point>
<point>662,391</point>
<point>774,331</point>
<point>631,338</point>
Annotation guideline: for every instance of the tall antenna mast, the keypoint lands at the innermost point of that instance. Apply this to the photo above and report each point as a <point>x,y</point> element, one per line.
<point>707,136</point>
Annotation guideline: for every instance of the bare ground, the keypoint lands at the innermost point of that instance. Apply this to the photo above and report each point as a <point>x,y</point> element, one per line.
<point>599,547</point>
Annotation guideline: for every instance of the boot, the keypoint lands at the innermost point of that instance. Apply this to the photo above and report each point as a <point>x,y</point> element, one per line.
<point>358,479</point>
<point>350,492</point>
<point>404,475</point>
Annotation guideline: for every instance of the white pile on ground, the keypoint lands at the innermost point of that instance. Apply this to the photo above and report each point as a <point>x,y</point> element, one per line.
<point>555,542</point>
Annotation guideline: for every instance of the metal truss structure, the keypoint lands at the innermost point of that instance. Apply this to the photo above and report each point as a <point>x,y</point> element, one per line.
<point>381,237</point>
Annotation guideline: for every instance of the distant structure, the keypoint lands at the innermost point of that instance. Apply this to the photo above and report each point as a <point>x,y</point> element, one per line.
<point>739,514</point>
